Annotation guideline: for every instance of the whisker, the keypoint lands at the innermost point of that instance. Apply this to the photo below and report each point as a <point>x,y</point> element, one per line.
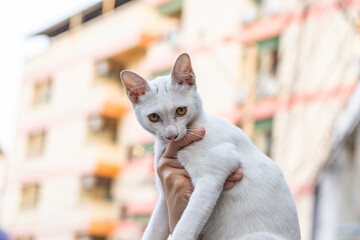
<point>186,141</point>
<point>192,136</point>
<point>195,134</point>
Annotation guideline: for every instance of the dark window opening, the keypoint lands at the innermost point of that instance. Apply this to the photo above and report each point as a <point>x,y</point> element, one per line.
<point>267,85</point>
<point>92,12</point>
<point>56,30</point>
<point>42,92</point>
<point>120,2</point>
<point>29,196</point>
<point>263,135</point>
<point>96,187</point>
<point>36,144</point>
<point>90,237</point>
<point>268,56</point>
<point>102,127</point>
<point>109,69</point>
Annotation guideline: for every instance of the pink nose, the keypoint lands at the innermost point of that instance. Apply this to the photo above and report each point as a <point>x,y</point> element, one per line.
<point>172,137</point>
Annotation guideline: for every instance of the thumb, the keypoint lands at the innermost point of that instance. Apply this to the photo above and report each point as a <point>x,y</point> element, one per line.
<point>191,136</point>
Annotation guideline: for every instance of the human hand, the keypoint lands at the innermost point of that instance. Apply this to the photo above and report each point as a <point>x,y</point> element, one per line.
<point>176,181</point>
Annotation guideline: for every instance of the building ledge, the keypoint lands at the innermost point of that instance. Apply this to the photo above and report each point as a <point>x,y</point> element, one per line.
<point>257,31</point>
<point>96,41</point>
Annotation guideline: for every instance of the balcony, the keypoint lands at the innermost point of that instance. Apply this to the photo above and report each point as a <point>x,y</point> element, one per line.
<point>100,211</point>
<point>112,98</point>
<point>108,158</point>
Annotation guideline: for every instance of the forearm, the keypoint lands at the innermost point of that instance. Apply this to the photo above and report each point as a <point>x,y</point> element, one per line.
<point>158,227</point>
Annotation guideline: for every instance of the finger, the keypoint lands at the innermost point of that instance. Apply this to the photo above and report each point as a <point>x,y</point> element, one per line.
<point>169,162</point>
<point>192,135</point>
<point>236,176</point>
<point>228,185</point>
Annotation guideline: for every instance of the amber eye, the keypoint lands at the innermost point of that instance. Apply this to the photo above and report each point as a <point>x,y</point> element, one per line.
<point>181,110</point>
<point>153,117</point>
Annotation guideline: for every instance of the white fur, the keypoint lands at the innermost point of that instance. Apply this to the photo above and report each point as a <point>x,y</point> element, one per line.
<point>260,206</point>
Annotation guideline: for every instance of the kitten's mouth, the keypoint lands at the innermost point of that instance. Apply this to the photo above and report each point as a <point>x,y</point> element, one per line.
<point>173,138</point>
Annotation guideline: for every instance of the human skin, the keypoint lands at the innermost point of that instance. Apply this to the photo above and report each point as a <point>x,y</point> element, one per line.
<point>176,181</point>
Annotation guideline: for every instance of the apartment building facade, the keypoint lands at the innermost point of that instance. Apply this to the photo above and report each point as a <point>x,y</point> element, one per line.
<point>72,144</point>
<point>82,167</point>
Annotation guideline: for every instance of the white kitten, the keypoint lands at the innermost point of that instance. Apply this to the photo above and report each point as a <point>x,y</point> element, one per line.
<point>260,206</point>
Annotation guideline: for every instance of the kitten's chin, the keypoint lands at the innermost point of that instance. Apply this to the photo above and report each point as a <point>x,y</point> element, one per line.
<point>163,139</point>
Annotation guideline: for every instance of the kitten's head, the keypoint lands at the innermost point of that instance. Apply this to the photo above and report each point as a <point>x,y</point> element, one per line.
<point>167,105</point>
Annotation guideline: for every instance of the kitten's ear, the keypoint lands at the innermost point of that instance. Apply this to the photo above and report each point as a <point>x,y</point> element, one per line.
<point>182,72</point>
<point>134,84</point>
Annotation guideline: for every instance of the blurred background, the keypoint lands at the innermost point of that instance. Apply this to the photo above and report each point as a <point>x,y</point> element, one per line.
<point>75,164</point>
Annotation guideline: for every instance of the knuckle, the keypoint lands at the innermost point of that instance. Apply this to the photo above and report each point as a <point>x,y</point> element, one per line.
<point>159,169</point>
<point>179,184</point>
<point>163,163</point>
<point>171,179</point>
<point>186,196</point>
<point>228,185</point>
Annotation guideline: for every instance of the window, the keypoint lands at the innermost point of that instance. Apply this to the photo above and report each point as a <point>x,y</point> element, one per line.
<point>36,144</point>
<point>96,187</point>
<point>171,8</point>
<point>109,69</point>
<point>259,9</point>
<point>263,135</point>
<point>102,127</point>
<point>42,93</point>
<point>90,237</point>
<point>118,3</point>
<point>29,196</point>
<point>1,154</point>
<point>24,238</point>
<point>267,67</point>
<point>268,51</point>
<point>92,12</point>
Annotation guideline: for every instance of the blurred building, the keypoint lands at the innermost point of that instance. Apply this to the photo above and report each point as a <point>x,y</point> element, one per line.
<point>2,175</point>
<point>82,167</point>
<point>80,170</point>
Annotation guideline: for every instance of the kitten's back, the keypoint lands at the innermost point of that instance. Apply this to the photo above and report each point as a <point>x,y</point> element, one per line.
<point>261,201</point>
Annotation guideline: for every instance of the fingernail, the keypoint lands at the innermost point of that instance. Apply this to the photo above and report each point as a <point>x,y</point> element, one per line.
<point>202,131</point>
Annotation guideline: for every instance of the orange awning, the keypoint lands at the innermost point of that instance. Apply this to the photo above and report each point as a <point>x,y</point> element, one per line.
<point>102,228</point>
<point>114,110</point>
<point>107,169</point>
<point>146,39</point>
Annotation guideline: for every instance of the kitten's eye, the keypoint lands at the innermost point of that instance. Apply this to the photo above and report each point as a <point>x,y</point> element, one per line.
<point>153,117</point>
<point>181,110</point>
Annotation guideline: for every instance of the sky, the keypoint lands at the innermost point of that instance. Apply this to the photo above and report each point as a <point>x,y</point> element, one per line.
<point>18,20</point>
